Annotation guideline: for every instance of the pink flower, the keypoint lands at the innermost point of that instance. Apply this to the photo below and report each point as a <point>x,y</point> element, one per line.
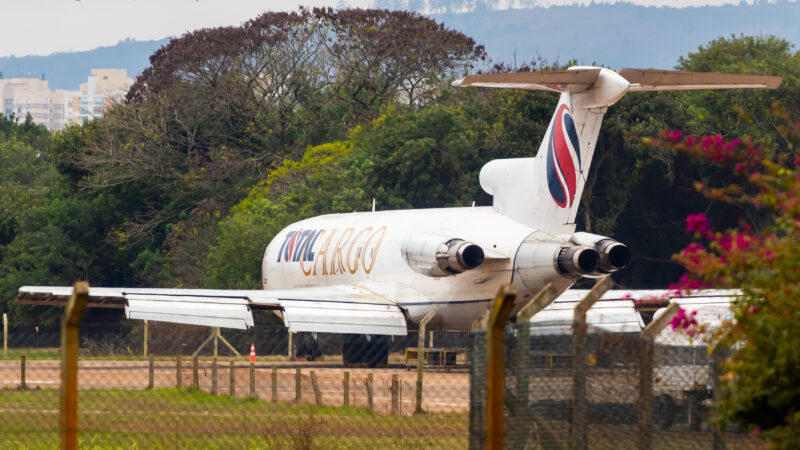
<point>752,309</point>
<point>726,242</point>
<point>698,223</point>
<point>739,167</point>
<point>673,135</point>
<point>742,241</point>
<point>757,431</point>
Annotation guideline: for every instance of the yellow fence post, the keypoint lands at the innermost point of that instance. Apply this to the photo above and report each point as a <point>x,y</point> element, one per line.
<point>522,363</point>
<point>146,332</point>
<point>645,402</point>
<point>580,405</point>
<point>495,370</point>
<point>69,364</point>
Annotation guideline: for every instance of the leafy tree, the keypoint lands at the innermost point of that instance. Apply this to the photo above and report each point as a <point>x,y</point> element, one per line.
<point>738,113</point>
<point>761,386</point>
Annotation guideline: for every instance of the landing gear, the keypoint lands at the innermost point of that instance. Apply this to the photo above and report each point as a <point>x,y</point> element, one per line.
<point>370,350</point>
<point>308,346</point>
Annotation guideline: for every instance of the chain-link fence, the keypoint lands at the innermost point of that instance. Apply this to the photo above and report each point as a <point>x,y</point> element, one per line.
<point>181,395</point>
<point>589,388</point>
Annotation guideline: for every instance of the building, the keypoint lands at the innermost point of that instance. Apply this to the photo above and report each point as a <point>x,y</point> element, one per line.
<point>102,88</point>
<point>29,94</point>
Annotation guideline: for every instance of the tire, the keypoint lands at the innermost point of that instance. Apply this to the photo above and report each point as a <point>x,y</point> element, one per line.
<point>353,349</point>
<point>378,351</point>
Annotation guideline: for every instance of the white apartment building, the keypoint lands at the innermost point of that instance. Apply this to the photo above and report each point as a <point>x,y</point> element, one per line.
<point>23,95</point>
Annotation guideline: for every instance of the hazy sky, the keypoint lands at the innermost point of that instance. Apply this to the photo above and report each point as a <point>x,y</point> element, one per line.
<point>41,27</point>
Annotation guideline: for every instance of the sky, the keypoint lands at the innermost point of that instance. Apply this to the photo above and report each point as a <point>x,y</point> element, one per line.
<point>42,27</point>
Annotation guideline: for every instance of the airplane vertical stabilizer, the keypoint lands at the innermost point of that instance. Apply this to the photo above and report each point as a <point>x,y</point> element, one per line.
<point>544,191</point>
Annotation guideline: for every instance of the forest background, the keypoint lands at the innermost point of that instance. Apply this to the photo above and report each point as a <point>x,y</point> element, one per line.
<point>233,133</point>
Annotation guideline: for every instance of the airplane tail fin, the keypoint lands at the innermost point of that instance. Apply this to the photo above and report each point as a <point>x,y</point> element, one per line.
<point>544,191</point>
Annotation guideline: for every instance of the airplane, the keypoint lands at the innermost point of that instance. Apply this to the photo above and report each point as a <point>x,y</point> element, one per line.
<point>375,274</point>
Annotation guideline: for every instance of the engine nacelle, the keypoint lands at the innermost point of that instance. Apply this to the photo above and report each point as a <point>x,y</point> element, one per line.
<point>435,255</point>
<point>614,255</point>
<point>544,258</point>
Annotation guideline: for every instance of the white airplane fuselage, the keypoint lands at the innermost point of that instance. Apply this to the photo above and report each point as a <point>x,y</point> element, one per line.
<point>364,248</point>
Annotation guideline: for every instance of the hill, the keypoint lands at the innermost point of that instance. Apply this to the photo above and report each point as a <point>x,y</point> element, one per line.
<point>69,70</point>
<point>617,35</point>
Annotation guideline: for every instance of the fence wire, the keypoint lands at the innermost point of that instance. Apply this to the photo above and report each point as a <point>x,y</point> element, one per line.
<point>562,390</point>
<point>168,398</point>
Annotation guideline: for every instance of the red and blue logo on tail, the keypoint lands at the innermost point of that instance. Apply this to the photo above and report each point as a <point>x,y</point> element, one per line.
<point>563,155</point>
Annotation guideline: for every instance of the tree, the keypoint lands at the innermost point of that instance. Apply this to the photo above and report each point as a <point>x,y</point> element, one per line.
<point>761,386</point>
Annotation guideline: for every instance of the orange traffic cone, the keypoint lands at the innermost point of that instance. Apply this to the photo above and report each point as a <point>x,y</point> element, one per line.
<point>252,352</point>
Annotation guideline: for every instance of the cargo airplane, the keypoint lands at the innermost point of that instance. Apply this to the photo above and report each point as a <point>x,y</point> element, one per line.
<point>374,274</point>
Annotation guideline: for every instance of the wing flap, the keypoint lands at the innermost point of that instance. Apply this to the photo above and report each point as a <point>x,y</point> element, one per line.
<point>327,316</point>
<point>213,312</point>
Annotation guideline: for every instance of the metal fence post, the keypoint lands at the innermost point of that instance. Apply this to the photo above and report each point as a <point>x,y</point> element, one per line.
<point>495,365</point>
<point>580,406</point>
<point>644,408</point>
<point>522,362</point>
<point>69,364</point>
<point>346,388</point>
<point>421,359</point>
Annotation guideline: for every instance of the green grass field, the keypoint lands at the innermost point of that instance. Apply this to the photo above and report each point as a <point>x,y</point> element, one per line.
<point>186,418</point>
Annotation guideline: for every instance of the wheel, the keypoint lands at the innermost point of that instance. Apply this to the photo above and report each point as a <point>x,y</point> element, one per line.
<point>353,349</point>
<point>377,351</point>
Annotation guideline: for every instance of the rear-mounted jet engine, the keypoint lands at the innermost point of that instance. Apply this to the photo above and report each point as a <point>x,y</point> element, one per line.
<point>434,255</point>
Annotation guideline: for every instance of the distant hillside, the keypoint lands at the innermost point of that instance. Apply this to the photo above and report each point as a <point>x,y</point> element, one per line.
<point>69,70</point>
<point>619,35</point>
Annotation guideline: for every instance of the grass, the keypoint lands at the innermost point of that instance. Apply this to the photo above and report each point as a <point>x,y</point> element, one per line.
<point>188,418</point>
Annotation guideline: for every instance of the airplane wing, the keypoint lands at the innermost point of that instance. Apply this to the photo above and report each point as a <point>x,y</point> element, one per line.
<point>573,81</point>
<point>348,308</point>
<point>672,80</point>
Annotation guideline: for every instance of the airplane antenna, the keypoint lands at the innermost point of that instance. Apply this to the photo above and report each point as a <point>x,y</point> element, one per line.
<point>373,204</point>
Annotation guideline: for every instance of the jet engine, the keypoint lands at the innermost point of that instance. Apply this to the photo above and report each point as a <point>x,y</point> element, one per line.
<point>544,258</point>
<point>614,255</point>
<point>440,256</point>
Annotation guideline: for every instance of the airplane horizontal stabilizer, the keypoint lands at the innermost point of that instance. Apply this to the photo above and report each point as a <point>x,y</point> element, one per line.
<point>675,80</point>
<point>554,80</point>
